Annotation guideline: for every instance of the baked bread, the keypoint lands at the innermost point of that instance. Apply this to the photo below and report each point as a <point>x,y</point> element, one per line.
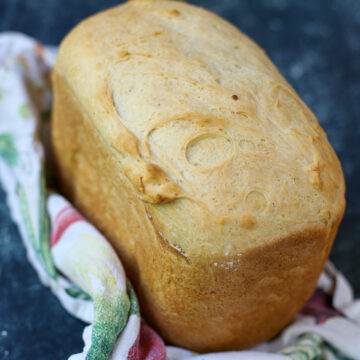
<point>176,135</point>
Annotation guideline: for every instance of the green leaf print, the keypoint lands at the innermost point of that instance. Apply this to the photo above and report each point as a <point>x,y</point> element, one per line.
<point>41,244</point>
<point>111,315</point>
<point>306,347</point>
<point>134,305</point>
<point>336,354</point>
<point>44,230</point>
<point>8,150</point>
<point>25,212</point>
<point>24,111</point>
<point>77,293</point>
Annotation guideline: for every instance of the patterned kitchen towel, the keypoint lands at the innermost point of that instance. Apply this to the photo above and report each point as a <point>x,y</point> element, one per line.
<point>81,268</point>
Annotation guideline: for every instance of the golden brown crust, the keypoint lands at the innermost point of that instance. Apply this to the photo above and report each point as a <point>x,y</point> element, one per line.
<point>178,137</point>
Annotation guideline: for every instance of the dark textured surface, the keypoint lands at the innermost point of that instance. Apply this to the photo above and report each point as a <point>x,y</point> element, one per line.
<point>315,44</point>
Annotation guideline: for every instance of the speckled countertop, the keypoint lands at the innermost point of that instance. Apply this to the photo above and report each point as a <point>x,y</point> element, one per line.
<point>315,44</point>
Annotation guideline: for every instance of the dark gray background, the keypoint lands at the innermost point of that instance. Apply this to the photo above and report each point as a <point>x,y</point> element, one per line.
<point>315,44</point>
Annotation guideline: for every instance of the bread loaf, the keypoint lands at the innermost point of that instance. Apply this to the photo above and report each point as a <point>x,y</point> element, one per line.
<point>179,139</point>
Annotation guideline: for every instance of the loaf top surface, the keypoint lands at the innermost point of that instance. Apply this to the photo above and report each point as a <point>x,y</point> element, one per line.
<point>219,147</point>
